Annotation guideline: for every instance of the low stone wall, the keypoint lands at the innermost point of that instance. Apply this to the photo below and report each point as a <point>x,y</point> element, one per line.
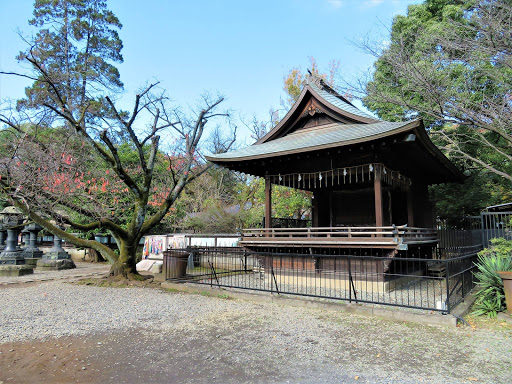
<point>77,255</point>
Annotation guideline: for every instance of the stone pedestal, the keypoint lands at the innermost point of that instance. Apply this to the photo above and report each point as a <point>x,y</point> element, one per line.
<point>54,264</point>
<point>16,270</point>
<point>56,258</point>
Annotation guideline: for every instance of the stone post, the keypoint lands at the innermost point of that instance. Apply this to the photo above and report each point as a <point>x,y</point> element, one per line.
<point>2,235</point>
<point>24,238</point>
<point>32,253</point>
<point>12,253</point>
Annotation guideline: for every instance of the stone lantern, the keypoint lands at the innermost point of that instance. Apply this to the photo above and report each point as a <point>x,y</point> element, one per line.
<point>12,261</point>
<point>31,252</point>
<point>56,258</point>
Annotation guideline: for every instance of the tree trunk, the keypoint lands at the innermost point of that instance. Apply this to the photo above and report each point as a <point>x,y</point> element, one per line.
<point>94,255</point>
<point>125,266</point>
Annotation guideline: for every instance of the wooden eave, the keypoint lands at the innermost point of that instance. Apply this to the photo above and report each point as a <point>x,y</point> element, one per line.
<point>257,164</point>
<point>431,148</point>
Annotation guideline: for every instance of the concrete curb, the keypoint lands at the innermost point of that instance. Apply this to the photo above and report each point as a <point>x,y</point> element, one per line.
<point>435,319</point>
<point>463,308</point>
<point>505,317</point>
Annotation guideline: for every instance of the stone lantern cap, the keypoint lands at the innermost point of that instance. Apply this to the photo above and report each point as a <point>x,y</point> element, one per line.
<point>11,217</point>
<point>31,226</point>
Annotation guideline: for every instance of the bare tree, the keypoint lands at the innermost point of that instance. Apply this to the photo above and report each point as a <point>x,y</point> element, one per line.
<point>451,65</point>
<point>101,171</point>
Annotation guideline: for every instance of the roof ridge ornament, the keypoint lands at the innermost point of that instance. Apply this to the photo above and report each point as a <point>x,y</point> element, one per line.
<point>316,79</point>
<point>313,78</point>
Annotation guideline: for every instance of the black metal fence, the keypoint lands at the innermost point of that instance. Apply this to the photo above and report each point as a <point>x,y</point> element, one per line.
<point>487,225</point>
<point>495,225</point>
<point>430,277</point>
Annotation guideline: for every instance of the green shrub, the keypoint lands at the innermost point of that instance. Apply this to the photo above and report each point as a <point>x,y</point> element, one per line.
<point>489,306</point>
<point>490,296</point>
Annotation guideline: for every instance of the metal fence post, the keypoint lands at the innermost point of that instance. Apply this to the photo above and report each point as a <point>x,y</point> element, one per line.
<point>448,307</point>
<point>349,280</point>
<point>483,229</point>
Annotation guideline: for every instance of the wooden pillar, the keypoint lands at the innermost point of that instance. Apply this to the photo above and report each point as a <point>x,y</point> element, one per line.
<point>268,203</point>
<point>331,210</point>
<point>390,208</point>
<point>315,210</point>
<point>410,207</point>
<point>377,185</point>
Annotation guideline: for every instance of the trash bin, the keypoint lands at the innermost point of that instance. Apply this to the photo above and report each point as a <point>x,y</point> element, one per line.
<point>175,263</point>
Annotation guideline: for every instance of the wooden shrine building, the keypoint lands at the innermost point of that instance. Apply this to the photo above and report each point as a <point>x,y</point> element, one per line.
<point>369,177</point>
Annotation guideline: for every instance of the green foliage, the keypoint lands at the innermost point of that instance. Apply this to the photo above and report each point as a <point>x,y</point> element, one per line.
<point>214,220</point>
<point>497,258</point>
<point>500,248</point>
<point>3,203</point>
<point>489,305</point>
<point>286,203</point>
<point>223,202</point>
<point>195,223</point>
<point>480,190</point>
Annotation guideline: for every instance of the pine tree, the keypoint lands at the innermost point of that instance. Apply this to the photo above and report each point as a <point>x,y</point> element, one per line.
<point>75,49</point>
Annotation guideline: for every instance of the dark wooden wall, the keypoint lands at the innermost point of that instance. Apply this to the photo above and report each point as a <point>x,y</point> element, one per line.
<point>357,208</point>
<point>354,208</point>
<point>424,215</point>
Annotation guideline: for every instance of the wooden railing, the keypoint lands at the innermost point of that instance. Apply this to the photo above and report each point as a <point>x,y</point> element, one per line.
<point>375,235</point>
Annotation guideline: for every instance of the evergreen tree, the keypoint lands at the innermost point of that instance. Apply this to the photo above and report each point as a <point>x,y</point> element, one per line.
<point>74,50</point>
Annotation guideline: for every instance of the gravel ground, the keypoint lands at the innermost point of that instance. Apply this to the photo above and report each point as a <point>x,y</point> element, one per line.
<point>60,332</point>
<point>62,309</point>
